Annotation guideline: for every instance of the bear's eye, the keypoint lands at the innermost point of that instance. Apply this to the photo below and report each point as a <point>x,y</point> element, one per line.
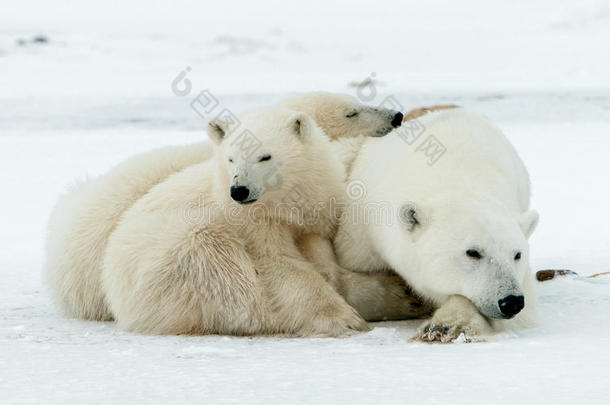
<point>264,158</point>
<point>230,160</point>
<point>518,256</point>
<point>475,254</point>
<point>351,114</point>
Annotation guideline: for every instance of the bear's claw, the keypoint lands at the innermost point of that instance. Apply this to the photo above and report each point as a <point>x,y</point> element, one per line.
<point>437,333</point>
<point>457,320</point>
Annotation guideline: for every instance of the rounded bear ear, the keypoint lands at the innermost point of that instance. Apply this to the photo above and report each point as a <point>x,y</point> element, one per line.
<point>300,124</point>
<point>528,222</point>
<point>217,130</point>
<point>412,216</point>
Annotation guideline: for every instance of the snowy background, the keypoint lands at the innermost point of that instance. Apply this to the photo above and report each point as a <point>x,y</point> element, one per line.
<point>84,85</point>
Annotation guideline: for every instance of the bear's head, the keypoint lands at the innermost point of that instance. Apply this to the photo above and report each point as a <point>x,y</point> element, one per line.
<point>272,152</point>
<point>340,115</point>
<point>477,250</point>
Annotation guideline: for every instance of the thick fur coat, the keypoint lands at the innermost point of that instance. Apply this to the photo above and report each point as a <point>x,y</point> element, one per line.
<point>448,210</point>
<point>236,268</point>
<point>85,217</point>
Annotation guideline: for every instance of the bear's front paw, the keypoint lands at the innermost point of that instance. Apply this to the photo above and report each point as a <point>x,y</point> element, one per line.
<point>456,320</point>
<point>431,332</point>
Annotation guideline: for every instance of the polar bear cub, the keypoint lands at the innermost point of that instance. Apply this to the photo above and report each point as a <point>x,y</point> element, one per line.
<point>343,116</point>
<point>454,226</point>
<point>212,249</point>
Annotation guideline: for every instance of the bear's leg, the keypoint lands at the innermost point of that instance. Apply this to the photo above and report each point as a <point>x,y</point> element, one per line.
<point>200,282</point>
<point>319,251</point>
<point>381,296</point>
<point>377,296</point>
<point>457,316</point>
<point>304,304</point>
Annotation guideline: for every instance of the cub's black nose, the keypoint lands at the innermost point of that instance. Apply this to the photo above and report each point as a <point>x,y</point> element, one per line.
<point>239,193</point>
<point>397,120</point>
<point>511,305</point>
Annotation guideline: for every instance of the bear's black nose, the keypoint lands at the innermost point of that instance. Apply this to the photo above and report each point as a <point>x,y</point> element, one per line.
<point>239,193</point>
<point>397,120</point>
<point>511,305</point>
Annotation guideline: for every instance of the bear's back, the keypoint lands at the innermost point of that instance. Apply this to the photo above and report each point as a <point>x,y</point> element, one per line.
<point>457,154</point>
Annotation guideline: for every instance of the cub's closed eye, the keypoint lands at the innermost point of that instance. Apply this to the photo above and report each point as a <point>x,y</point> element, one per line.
<point>264,158</point>
<point>230,160</point>
<point>475,254</point>
<point>518,256</point>
<point>351,114</point>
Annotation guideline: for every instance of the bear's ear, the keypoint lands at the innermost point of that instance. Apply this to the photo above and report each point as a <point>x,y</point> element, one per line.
<point>528,222</point>
<point>217,130</point>
<point>301,124</point>
<point>412,216</point>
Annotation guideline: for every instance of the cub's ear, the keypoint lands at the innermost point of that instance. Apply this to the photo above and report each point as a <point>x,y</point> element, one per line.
<point>217,130</point>
<point>301,125</point>
<point>528,222</point>
<point>412,216</point>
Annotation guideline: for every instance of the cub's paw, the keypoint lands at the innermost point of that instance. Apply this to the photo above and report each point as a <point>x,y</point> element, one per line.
<point>341,321</point>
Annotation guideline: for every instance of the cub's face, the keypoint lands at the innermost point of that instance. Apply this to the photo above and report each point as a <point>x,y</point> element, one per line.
<point>266,155</point>
<point>477,252</point>
<point>340,115</point>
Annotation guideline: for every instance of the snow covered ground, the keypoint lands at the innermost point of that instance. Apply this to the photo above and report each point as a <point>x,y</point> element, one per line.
<point>99,90</point>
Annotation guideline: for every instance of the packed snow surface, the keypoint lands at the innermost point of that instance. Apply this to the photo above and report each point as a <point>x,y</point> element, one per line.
<point>96,87</point>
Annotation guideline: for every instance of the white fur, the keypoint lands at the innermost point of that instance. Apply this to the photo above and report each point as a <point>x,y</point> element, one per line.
<point>341,115</point>
<point>420,219</point>
<point>85,217</point>
<point>236,268</point>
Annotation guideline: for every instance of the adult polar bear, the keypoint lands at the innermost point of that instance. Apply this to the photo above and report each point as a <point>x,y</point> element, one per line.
<point>455,230</point>
<point>85,217</point>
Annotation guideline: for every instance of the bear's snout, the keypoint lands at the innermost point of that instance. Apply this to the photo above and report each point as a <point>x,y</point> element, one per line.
<point>397,120</point>
<point>239,193</point>
<point>511,305</point>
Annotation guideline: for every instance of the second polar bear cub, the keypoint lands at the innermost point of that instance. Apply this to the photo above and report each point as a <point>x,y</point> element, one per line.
<point>455,228</point>
<point>212,249</point>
